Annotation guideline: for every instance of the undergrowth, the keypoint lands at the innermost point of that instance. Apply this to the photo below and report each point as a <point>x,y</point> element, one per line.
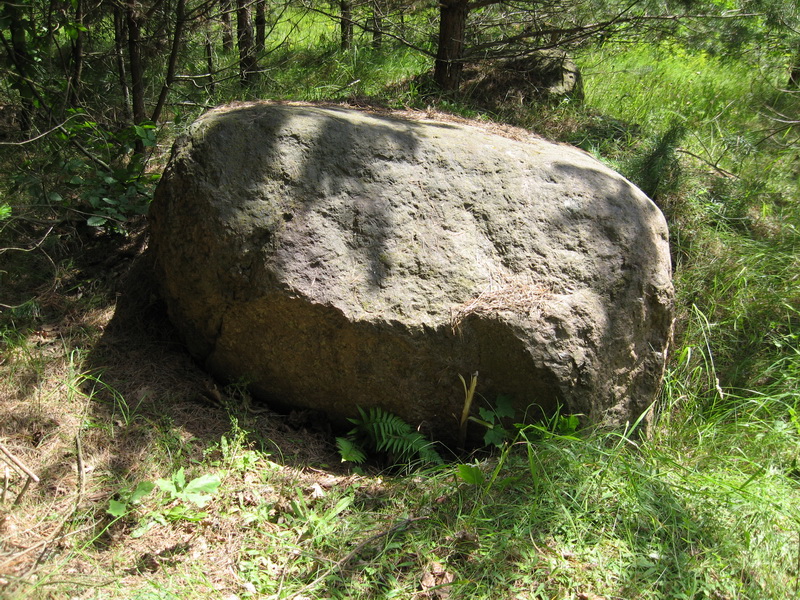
<point>146,493</point>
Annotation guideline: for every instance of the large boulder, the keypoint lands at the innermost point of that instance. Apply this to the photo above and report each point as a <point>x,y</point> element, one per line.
<point>334,259</point>
<point>541,76</point>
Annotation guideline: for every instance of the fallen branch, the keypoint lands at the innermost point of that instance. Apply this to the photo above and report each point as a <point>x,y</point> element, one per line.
<point>59,533</point>
<point>41,135</point>
<point>41,543</point>
<point>717,168</point>
<point>6,479</point>
<point>15,462</point>
<point>340,563</point>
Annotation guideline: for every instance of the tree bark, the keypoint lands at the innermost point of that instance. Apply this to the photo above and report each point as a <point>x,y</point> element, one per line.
<point>209,48</point>
<point>20,59</point>
<point>248,65</point>
<point>450,52</point>
<point>133,21</point>
<point>119,44</point>
<point>261,26</point>
<point>134,24</point>
<point>227,30</point>
<point>794,75</point>
<point>77,57</point>
<point>346,21</point>
<point>377,25</point>
<point>180,19</point>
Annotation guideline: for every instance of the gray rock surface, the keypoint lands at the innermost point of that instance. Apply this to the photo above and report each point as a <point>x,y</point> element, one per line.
<point>334,259</point>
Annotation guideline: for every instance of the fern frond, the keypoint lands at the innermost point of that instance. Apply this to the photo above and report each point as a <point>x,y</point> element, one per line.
<point>386,432</point>
<point>350,451</point>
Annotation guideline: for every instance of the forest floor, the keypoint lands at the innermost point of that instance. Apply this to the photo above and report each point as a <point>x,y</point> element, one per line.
<point>155,482</point>
<point>90,395</point>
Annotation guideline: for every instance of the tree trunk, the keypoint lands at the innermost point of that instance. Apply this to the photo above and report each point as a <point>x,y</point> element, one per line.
<point>794,75</point>
<point>248,65</point>
<point>377,24</point>
<point>173,59</point>
<point>450,53</point>
<point>227,30</point>
<point>261,26</point>
<point>134,24</point>
<point>119,44</point>
<point>209,59</point>
<point>77,57</point>
<point>20,59</point>
<point>346,21</point>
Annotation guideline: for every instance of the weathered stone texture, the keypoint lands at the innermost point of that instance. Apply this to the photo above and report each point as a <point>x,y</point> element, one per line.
<point>335,258</point>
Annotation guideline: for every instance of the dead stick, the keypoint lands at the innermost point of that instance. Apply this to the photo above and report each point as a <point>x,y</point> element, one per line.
<point>81,472</point>
<point>58,534</point>
<point>41,543</point>
<point>18,463</point>
<point>25,487</point>
<point>339,563</point>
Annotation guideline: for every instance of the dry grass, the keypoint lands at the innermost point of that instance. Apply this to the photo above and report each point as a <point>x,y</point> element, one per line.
<point>97,396</point>
<point>518,294</point>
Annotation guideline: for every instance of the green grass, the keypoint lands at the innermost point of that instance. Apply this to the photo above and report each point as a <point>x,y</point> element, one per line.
<point>725,106</point>
<point>707,505</point>
<point>303,60</point>
<point>728,189</point>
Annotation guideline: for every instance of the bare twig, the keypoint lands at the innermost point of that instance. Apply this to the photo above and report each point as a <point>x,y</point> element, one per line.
<point>41,543</point>
<point>14,461</point>
<point>44,105</point>
<point>717,168</point>
<point>18,463</point>
<point>6,478</point>
<point>22,492</point>
<point>340,563</point>
<point>45,134</point>
<point>34,247</point>
<point>81,472</point>
<point>59,532</point>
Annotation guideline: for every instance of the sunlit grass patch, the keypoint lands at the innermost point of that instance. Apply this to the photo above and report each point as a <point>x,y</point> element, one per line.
<point>704,506</point>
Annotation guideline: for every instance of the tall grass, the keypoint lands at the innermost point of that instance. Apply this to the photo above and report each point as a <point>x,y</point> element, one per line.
<point>731,205</point>
<point>724,105</point>
<point>304,60</point>
<point>706,506</point>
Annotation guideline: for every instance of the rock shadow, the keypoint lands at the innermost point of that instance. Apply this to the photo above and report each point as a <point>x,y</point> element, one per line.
<point>146,388</point>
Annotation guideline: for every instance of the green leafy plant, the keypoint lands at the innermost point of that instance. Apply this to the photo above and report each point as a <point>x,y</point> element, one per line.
<point>379,431</point>
<point>350,450</point>
<point>556,426</point>
<point>115,196</point>
<point>116,188</point>
<point>129,500</point>
<point>320,522</point>
<point>198,491</point>
<point>491,418</point>
<point>183,502</point>
<point>471,473</point>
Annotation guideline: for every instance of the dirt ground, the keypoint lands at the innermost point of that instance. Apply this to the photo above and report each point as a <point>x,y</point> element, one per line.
<point>97,392</point>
